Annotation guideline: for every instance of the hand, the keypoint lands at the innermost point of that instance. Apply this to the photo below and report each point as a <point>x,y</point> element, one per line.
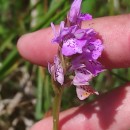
<point>112,110</point>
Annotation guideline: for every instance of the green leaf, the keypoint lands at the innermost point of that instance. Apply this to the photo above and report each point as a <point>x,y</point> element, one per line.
<point>8,64</point>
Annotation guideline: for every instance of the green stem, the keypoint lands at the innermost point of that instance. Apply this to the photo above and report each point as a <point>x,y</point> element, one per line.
<point>56,110</point>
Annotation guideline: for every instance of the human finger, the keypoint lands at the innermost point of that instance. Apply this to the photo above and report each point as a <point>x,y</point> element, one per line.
<point>114,31</point>
<point>110,112</point>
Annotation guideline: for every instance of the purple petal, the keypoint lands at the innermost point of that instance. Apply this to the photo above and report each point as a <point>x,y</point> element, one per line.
<point>57,36</point>
<point>53,28</point>
<point>62,25</point>
<point>74,28</point>
<point>94,67</point>
<point>82,77</point>
<point>79,60</point>
<point>85,16</point>
<point>80,33</point>
<point>74,11</point>
<point>90,32</point>
<point>68,31</point>
<point>85,91</point>
<point>65,31</point>
<point>97,51</point>
<point>59,74</point>
<point>49,68</point>
<point>93,49</point>
<point>72,46</point>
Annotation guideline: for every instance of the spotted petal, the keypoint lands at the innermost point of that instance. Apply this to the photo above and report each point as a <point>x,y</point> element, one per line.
<point>95,48</point>
<point>72,46</point>
<point>85,91</point>
<point>59,74</point>
<point>82,77</point>
<point>56,70</point>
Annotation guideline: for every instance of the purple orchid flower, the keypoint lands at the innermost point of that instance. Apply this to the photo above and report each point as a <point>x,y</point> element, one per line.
<point>64,33</point>
<point>80,50</point>
<point>75,16</point>
<point>56,70</point>
<point>57,36</point>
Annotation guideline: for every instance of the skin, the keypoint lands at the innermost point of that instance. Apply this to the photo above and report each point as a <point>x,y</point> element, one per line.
<point>110,111</point>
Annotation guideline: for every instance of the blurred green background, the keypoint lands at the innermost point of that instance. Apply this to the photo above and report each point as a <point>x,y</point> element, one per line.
<point>25,90</point>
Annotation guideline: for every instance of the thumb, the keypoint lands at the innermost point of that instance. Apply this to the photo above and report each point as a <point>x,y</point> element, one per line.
<point>108,112</point>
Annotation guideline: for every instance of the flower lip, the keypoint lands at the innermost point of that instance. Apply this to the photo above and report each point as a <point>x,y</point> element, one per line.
<point>82,77</point>
<point>85,91</point>
<point>72,46</point>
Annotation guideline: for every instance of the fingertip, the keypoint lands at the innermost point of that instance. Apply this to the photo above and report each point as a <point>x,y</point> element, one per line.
<point>21,45</point>
<point>36,47</point>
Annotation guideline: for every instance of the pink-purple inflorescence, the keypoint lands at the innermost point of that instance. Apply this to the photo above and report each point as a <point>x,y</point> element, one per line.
<point>76,62</point>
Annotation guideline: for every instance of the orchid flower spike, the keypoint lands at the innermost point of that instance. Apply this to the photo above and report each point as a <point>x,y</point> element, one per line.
<point>79,49</point>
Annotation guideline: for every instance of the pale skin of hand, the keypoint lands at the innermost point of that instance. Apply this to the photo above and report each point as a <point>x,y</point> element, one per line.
<point>110,111</point>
